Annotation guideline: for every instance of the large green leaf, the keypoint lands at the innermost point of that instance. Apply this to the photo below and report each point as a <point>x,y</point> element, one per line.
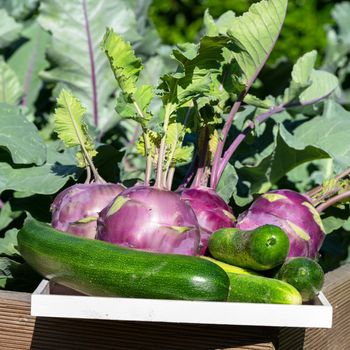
<point>309,85</point>
<point>20,137</point>
<point>256,32</point>
<point>77,29</point>
<point>46,179</point>
<point>329,132</point>
<point>10,87</point>
<point>284,154</point>
<point>9,29</point>
<point>29,60</point>
<point>8,244</point>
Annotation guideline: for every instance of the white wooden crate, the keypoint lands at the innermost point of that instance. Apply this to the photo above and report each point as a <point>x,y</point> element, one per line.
<point>50,301</point>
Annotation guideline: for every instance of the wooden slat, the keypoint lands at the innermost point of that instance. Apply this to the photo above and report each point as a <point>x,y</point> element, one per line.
<point>20,331</point>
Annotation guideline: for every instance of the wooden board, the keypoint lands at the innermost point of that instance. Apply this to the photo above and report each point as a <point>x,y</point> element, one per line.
<point>20,331</point>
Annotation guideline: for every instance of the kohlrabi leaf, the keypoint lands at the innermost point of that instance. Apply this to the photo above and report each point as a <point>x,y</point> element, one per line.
<point>48,178</point>
<point>227,184</point>
<point>284,154</point>
<point>7,215</point>
<point>29,60</point>
<point>10,87</point>
<point>125,65</point>
<point>255,33</point>
<point>19,9</point>
<point>300,76</point>
<point>322,85</point>
<point>329,132</point>
<point>70,126</point>
<point>134,101</point>
<point>341,14</point>
<point>309,85</point>
<point>20,138</point>
<point>77,29</point>
<point>9,29</point>
<point>176,153</point>
<point>8,244</point>
<point>219,26</point>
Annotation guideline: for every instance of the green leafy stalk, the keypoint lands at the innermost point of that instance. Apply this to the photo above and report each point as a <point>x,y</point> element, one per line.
<point>72,130</point>
<point>135,100</point>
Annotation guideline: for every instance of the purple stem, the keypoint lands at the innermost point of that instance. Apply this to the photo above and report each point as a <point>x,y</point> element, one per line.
<point>317,189</point>
<point>218,153</point>
<point>241,137</point>
<point>92,64</point>
<point>190,172</point>
<point>322,207</point>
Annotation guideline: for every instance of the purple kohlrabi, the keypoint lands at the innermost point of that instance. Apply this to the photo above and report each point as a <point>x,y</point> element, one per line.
<point>151,219</point>
<point>294,213</point>
<point>75,210</point>
<point>211,210</point>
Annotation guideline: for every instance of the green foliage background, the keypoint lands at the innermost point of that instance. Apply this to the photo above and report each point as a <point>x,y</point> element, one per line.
<point>304,29</point>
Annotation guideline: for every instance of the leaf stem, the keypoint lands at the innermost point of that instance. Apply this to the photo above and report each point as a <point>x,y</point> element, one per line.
<point>241,137</point>
<point>170,178</point>
<point>161,154</point>
<point>201,177</point>
<point>319,188</point>
<point>221,143</point>
<point>147,145</point>
<point>322,207</point>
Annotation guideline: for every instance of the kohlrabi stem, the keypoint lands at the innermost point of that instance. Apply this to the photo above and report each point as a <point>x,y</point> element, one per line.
<point>161,154</point>
<point>88,174</point>
<point>170,178</point>
<point>201,177</point>
<point>221,143</point>
<point>147,145</point>
<point>319,188</point>
<point>148,153</point>
<point>192,169</point>
<point>322,207</point>
<point>240,138</point>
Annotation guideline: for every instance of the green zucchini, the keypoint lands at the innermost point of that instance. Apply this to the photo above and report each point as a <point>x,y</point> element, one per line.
<point>258,289</point>
<point>260,249</point>
<point>305,274</point>
<point>103,269</point>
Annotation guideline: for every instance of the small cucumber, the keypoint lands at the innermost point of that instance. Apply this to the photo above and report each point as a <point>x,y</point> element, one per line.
<point>231,268</point>
<point>305,274</point>
<point>260,249</point>
<point>258,289</point>
<point>103,269</point>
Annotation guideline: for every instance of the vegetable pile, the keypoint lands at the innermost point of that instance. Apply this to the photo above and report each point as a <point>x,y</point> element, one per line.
<point>197,131</point>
